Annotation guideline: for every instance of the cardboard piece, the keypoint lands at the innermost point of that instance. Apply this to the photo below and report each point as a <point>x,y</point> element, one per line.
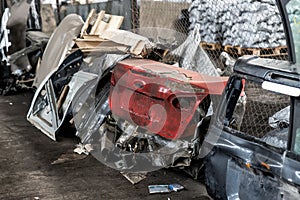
<point>137,43</point>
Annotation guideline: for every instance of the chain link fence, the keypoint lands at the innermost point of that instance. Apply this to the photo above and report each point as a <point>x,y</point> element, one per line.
<point>237,27</point>
<point>266,115</point>
<point>240,27</point>
<point>163,14</point>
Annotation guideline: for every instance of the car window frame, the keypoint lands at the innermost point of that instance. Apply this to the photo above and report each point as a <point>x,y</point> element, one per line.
<point>282,7</point>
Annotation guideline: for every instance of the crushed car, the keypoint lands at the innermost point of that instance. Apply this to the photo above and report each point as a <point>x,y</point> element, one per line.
<point>241,133</point>
<point>259,159</point>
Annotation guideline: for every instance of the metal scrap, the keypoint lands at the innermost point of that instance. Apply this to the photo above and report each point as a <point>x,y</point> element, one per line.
<point>235,157</point>
<point>280,119</point>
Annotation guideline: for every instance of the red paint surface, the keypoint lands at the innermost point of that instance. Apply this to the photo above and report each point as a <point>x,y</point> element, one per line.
<point>148,93</point>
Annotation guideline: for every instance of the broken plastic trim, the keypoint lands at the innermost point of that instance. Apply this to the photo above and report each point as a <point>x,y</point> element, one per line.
<point>282,89</point>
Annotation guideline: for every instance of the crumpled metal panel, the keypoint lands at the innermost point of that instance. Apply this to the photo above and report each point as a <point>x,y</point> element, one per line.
<point>277,138</point>
<point>53,98</point>
<point>96,127</point>
<point>17,24</point>
<point>91,108</point>
<point>159,97</point>
<point>45,108</point>
<point>113,151</point>
<point>280,122</point>
<point>241,169</point>
<point>60,42</point>
<point>48,120</point>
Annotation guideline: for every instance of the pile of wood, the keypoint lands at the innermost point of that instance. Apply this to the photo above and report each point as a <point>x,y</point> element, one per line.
<point>243,23</point>
<point>101,33</point>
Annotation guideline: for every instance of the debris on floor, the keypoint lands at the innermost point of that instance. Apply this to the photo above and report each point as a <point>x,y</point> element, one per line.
<point>134,178</point>
<point>68,157</point>
<point>153,189</point>
<point>176,187</point>
<point>83,149</point>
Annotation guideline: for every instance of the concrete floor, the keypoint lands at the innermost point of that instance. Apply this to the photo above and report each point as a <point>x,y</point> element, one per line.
<point>28,171</point>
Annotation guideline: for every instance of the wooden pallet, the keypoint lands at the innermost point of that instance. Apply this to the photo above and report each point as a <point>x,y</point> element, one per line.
<point>263,52</point>
<point>233,50</point>
<point>210,46</point>
<point>278,51</point>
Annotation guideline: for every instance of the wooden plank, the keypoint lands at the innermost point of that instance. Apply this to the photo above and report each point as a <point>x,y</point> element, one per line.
<point>89,36</point>
<point>87,22</point>
<point>98,21</point>
<point>281,50</point>
<point>101,49</point>
<point>109,22</point>
<point>94,44</point>
<point>115,22</point>
<point>62,97</point>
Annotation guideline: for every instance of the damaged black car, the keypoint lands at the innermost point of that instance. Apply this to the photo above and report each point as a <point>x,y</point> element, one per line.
<point>255,154</point>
